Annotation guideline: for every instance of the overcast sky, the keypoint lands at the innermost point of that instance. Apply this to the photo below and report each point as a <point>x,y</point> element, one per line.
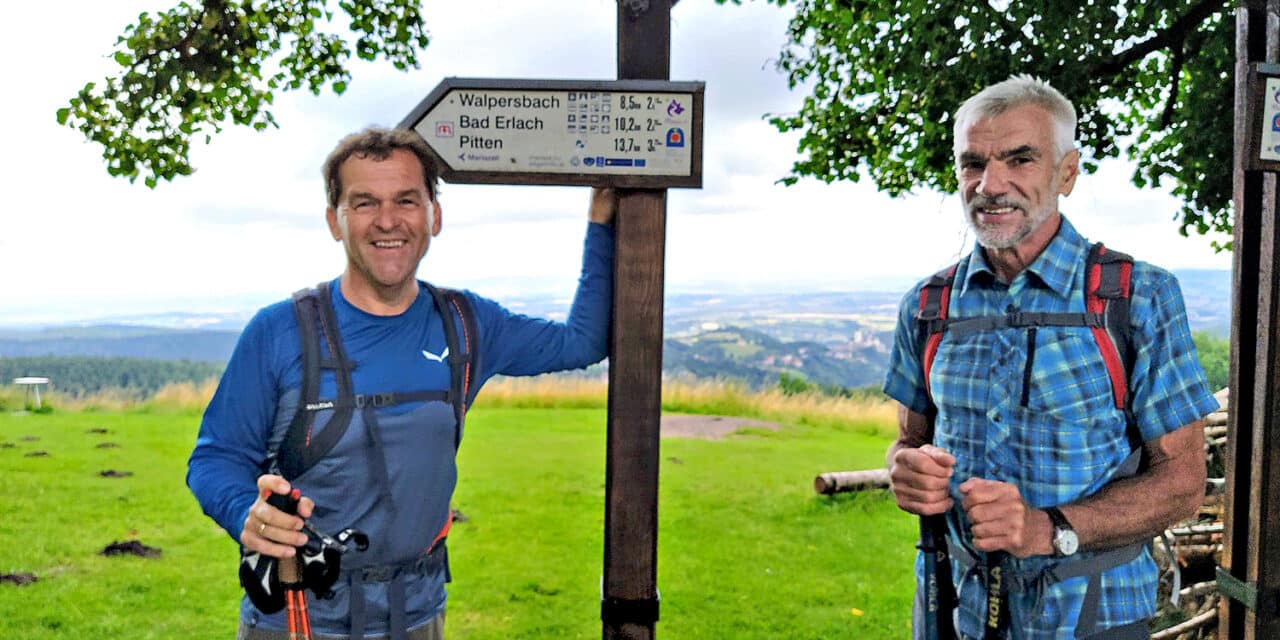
<point>248,227</point>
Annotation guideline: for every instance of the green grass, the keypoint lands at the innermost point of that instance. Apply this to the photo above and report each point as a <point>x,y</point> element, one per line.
<point>746,549</point>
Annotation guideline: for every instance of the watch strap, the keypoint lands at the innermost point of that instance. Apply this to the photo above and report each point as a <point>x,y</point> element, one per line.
<point>1059,521</point>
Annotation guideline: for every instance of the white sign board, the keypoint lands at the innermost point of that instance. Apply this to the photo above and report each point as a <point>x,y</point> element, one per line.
<point>621,133</point>
<point>1270,147</point>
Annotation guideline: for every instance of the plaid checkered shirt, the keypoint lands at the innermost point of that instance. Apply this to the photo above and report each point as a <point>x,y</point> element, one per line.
<point>1050,426</point>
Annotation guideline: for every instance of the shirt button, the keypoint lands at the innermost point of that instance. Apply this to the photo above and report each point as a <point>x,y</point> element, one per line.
<point>995,418</point>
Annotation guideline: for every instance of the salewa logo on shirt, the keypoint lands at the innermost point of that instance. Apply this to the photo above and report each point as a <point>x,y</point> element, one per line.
<point>437,358</point>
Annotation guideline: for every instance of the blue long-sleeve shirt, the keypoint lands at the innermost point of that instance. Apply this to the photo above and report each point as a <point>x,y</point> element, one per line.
<point>259,392</point>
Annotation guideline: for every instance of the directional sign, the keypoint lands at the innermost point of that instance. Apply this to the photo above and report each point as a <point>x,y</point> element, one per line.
<point>1263,150</point>
<point>1271,120</point>
<point>626,133</point>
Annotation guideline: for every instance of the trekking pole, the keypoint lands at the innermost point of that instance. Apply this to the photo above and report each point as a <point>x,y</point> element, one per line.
<point>939,596</point>
<point>295,600</point>
<point>997,624</point>
<point>304,617</point>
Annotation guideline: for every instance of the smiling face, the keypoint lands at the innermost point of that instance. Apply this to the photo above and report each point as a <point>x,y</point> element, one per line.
<point>385,218</point>
<point>1010,178</point>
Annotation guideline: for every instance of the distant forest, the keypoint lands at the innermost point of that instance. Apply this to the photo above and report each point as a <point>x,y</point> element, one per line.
<point>81,375</point>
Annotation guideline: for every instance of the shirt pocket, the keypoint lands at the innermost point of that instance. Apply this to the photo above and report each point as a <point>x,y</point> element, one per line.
<point>1065,378</point>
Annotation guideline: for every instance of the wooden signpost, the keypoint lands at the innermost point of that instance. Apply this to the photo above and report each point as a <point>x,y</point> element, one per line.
<point>1249,575</point>
<point>641,134</point>
<point>629,589</point>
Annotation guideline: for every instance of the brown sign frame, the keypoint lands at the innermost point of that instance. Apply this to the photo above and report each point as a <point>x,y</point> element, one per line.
<point>465,176</point>
<point>1258,74</point>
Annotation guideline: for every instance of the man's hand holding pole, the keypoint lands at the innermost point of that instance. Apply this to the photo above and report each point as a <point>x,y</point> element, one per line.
<point>269,530</point>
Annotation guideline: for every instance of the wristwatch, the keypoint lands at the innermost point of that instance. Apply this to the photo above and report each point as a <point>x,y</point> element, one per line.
<point>1065,541</point>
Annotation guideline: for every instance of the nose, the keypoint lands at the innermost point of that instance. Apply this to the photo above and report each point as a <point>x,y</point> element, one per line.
<point>994,180</point>
<point>385,218</point>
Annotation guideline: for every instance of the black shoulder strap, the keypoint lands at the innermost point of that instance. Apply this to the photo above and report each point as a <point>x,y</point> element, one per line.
<point>463,354</point>
<point>313,309</point>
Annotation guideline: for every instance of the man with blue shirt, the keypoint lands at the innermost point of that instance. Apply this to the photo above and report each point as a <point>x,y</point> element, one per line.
<point>392,471</point>
<point>1015,435</point>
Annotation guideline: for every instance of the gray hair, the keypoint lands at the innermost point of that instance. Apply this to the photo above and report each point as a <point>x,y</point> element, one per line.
<point>1017,91</point>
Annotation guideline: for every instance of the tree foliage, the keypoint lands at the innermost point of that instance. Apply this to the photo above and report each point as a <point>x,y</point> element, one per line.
<point>1215,358</point>
<point>187,71</point>
<point>1149,78</point>
<point>77,376</point>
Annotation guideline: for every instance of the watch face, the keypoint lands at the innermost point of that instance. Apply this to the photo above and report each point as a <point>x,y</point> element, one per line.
<point>1065,541</point>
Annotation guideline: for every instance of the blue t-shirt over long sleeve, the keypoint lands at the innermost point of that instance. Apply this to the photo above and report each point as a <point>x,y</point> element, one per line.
<point>259,393</point>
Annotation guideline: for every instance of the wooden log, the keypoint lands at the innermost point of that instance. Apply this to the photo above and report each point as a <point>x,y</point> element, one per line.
<point>1190,530</point>
<point>1198,589</point>
<point>1201,620</point>
<point>842,481</point>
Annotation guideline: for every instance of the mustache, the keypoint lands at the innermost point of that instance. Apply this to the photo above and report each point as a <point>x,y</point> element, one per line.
<point>980,201</point>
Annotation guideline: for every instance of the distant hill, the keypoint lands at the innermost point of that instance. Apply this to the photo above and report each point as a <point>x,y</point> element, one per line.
<point>127,341</point>
<point>759,359</point>
<point>830,338</point>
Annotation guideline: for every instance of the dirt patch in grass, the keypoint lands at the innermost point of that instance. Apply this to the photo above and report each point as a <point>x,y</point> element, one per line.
<point>18,579</point>
<point>38,454</point>
<point>131,548</point>
<point>709,427</point>
<point>107,445</point>
<point>30,438</point>
<point>112,473</point>
<point>6,445</point>
<point>97,430</point>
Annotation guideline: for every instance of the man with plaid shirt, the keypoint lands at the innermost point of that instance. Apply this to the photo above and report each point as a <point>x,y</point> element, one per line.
<point>1027,452</point>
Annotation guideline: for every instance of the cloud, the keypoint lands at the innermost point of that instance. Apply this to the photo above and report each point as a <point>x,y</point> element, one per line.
<point>249,224</point>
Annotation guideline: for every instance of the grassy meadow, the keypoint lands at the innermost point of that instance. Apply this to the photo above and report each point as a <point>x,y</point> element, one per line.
<point>746,549</point>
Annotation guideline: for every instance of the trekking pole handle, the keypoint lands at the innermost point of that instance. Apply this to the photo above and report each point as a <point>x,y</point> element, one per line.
<point>286,502</point>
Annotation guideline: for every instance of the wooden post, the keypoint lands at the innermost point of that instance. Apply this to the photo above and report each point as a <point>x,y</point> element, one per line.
<point>629,590</point>
<point>1250,571</point>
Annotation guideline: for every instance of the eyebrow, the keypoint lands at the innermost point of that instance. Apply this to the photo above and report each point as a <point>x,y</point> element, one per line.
<point>1024,150</point>
<point>354,195</point>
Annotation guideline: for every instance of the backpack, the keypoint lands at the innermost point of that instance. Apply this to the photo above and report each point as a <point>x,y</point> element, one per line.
<point>299,451</point>
<point>313,309</point>
<point>1107,292</point>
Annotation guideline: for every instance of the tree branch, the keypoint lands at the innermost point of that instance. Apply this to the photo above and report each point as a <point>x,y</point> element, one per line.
<point>180,46</point>
<point>1172,37</point>
<point>1166,118</point>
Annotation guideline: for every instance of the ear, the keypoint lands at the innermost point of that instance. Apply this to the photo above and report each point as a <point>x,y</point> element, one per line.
<point>435,218</point>
<point>335,228</point>
<point>1068,170</point>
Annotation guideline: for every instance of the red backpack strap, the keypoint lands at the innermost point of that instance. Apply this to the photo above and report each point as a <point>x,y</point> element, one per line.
<point>1107,291</point>
<point>931,318</point>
